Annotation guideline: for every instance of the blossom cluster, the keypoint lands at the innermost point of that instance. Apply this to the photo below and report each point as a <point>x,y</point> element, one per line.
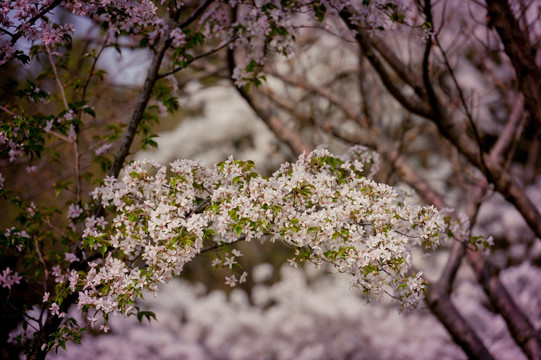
<point>8,278</point>
<point>322,206</point>
<point>26,18</point>
<point>259,26</point>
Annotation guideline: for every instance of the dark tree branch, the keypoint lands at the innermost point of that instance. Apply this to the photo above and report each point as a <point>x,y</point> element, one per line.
<point>282,131</point>
<point>148,85</point>
<point>142,101</point>
<point>462,333</point>
<point>511,132</point>
<point>197,13</point>
<point>520,51</point>
<point>519,325</point>
<point>410,103</point>
<point>407,75</point>
<point>451,129</point>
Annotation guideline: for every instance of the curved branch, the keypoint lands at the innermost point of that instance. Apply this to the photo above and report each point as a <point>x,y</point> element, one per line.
<point>519,325</point>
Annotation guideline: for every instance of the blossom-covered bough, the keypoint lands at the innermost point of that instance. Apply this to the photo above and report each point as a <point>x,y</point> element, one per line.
<point>323,206</point>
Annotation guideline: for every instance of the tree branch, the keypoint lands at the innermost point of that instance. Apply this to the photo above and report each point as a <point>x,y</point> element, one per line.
<point>411,104</point>
<point>35,18</point>
<point>520,51</point>
<point>450,128</point>
<point>195,58</point>
<point>148,85</point>
<point>398,66</point>
<point>441,306</point>
<point>282,131</point>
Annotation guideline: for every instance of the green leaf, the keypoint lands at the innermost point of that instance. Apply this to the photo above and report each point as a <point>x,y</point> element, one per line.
<point>146,314</point>
<point>319,12</point>
<point>89,111</point>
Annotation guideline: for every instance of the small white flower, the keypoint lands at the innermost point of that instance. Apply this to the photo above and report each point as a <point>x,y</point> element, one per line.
<point>243,277</point>
<point>103,149</point>
<point>74,211</point>
<point>31,169</point>
<point>231,280</point>
<point>104,328</point>
<point>69,257</point>
<point>236,252</point>
<point>293,263</point>
<point>55,309</point>
<point>216,262</point>
<point>229,261</point>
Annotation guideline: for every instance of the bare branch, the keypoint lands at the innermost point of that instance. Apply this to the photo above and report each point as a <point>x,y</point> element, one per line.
<point>57,78</point>
<point>441,306</point>
<point>510,132</point>
<point>519,325</point>
<point>398,66</point>
<point>520,51</point>
<point>408,102</point>
<point>285,133</point>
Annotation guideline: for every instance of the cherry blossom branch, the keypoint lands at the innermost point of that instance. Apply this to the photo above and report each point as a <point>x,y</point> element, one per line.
<point>32,20</point>
<point>197,13</point>
<point>221,245</point>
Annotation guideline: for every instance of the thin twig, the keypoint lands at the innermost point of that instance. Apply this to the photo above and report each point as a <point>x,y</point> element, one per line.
<point>91,72</point>
<point>220,245</point>
<point>57,78</point>
<point>200,56</point>
<point>5,109</point>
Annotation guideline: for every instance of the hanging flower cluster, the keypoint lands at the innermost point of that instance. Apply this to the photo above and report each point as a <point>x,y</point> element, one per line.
<point>323,206</point>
